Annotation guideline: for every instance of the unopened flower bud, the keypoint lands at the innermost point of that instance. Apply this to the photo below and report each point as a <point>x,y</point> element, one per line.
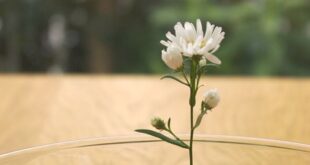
<point>172,57</point>
<point>202,62</point>
<point>158,123</point>
<point>211,98</point>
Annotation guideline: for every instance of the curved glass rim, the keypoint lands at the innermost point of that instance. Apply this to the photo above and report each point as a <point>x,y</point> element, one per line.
<point>36,151</point>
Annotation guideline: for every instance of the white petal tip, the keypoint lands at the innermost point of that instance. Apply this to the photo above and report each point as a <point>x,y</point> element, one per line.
<point>213,59</point>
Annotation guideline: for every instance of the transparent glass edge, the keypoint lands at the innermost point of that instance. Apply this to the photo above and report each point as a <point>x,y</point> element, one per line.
<point>33,152</point>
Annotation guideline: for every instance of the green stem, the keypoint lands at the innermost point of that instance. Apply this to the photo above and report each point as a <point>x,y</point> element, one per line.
<point>198,79</point>
<point>191,138</point>
<point>192,99</point>
<point>192,102</point>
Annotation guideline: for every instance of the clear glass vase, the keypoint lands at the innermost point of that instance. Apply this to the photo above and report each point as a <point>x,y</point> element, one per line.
<point>145,150</point>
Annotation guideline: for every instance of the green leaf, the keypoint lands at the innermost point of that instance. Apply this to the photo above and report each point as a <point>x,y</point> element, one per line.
<point>210,64</point>
<point>199,118</point>
<point>163,137</point>
<point>168,123</point>
<point>203,69</point>
<point>174,78</point>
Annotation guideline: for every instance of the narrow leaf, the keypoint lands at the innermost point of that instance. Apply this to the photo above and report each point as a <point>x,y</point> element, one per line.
<point>210,64</point>
<point>202,69</point>
<point>174,78</point>
<point>168,123</point>
<point>162,137</point>
<point>199,118</point>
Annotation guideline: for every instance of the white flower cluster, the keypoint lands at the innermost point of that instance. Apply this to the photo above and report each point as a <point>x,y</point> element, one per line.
<point>189,41</point>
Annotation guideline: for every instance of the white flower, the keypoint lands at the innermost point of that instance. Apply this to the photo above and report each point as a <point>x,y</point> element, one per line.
<point>172,57</point>
<point>193,41</point>
<point>211,98</point>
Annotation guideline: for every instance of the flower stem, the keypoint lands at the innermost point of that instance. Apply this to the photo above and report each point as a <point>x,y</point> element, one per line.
<point>191,138</point>
<point>192,102</point>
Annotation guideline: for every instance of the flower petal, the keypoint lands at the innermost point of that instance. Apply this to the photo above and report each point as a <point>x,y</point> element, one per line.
<point>215,49</point>
<point>207,47</point>
<point>171,37</point>
<point>165,43</point>
<point>197,42</point>
<point>179,30</point>
<point>199,28</point>
<point>209,30</point>
<point>190,32</point>
<point>213,59</point>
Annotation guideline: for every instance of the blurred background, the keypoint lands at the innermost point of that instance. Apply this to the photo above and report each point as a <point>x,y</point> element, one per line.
<point>263,37</point>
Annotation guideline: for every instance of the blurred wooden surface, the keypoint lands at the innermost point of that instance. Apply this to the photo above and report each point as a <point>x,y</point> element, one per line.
<point>36,109</point>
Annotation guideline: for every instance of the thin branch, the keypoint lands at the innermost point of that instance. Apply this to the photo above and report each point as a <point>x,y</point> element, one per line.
<point>185,77</point>
<point>174,78</point>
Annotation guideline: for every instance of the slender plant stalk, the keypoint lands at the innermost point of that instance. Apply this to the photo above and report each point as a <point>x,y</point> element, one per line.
<point>192,102</point>
<point>191,139</point>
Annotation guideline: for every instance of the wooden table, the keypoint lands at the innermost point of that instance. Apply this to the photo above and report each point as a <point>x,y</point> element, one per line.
<point>39,109</point>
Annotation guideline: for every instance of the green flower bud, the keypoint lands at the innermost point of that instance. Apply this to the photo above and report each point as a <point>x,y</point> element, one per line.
<point>158,123</point>
<point>203,62</point>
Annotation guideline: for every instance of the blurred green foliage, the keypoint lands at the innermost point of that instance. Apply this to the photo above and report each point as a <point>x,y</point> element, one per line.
<point>263,37</point>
